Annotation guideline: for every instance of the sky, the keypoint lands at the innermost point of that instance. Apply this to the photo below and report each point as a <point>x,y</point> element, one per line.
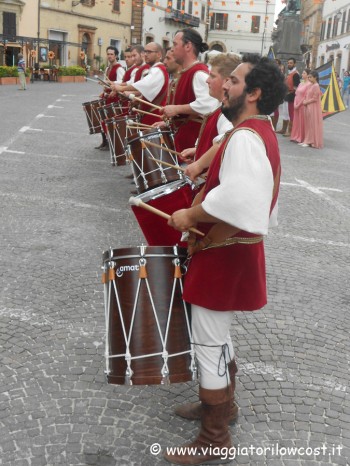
<point>279,7</point>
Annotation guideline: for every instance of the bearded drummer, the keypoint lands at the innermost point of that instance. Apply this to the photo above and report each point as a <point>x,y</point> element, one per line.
<point>189,98</point>
<point>153,87</point>
<point>114,72</point>
<point>226,272</point>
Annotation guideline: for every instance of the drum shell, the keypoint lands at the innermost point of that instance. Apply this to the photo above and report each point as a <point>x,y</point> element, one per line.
<point>169,198</point>
<point>145,338</point>
<point>92,115</point>
<point>147,173</point>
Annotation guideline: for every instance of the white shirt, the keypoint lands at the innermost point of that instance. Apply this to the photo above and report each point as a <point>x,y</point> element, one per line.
<point>132,76</point>
<point>151,85</point>
<point>204,103</point>
<point>223,125</point>
<point>244,195</point>
<point>120,75</point>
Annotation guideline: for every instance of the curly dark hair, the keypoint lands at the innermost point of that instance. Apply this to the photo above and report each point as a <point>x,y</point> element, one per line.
<point>265,75</point>
<point>115,50</point>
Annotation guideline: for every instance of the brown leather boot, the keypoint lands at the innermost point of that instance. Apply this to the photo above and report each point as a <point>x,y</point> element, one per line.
<point>213,443</point>
<point>284,127</point>
<point>192,411</point>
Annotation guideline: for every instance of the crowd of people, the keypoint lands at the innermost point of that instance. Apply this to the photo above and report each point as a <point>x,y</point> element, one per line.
<point>301,110</point>
<point>221,123</point>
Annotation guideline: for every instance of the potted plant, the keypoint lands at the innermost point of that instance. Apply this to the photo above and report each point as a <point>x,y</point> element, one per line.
<point>8,75</point>
<point>71,74</point>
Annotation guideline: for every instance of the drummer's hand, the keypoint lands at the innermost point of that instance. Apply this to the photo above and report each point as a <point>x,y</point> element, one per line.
<point>159,124</point>
<point>181,220</point>
<point>169,111</point>
<point>187,155</point>
<point>193,170</point>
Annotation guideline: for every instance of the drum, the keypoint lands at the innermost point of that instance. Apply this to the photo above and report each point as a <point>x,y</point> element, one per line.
<point>92,115</point>
<point>147,172</point>
<point>148,335</point>
<point>111,110</point>
<point>169,198</point>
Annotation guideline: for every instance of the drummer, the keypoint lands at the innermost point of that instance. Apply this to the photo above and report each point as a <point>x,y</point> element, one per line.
<point>226,272</point>
<point>215,124</point>
<point>114,72</point>
<point>190,100</point>
<point>153,87</point>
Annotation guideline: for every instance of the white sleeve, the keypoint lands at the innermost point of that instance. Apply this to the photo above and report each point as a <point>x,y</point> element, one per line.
<point>223,125</point>
<point>204,103</point>
<point>120,74</point>
<point>243,197</point>
<point>132,76</point>
<point>151,85</point>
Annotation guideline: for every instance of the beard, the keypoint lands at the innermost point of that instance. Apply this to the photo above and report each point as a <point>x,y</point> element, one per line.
<point>235,107</point>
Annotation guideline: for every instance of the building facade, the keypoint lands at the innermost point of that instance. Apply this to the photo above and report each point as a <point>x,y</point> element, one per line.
<point>241,27</point>
<point>335,35</point>
<point>311,17</point>
<point>66,28</point>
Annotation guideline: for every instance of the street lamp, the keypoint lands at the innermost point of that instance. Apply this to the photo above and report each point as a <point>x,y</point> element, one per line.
<point>38,45</point>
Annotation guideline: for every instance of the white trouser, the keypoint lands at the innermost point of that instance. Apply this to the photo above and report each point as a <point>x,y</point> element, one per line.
<point>213,345</point>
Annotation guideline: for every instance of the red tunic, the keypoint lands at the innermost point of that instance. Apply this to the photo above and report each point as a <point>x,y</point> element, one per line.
<point>232,277</point>
<point>208,131</point>
<point>188,127</point>
<point>160,99</point>
<point>141,72</point>
<point>111,74</point>
<point>128,72</point>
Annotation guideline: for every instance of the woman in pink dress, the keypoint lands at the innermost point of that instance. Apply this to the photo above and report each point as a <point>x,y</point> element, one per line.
<point>313,114</point>
<point>298,132</point>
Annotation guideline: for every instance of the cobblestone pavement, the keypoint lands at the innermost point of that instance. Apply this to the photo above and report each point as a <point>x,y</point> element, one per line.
<point>62,204</point>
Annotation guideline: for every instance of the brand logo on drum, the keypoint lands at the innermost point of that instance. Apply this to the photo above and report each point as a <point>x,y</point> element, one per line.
<point>127,268</point>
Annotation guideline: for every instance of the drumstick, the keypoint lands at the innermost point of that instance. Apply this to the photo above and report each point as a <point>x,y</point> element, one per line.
<point>137,202</point>
<point>177,167</point>
<point>133,97</point>
<point>147,113</point>
<point>133,122</point>
<point>158,146</point>
<point>139,126</point>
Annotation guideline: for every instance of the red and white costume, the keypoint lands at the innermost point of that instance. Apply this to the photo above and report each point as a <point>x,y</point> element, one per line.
<point>116,74</point>
<point>241,190</point>
<point>154,88</point>
<point>213,128</point>
<point>191,88</point>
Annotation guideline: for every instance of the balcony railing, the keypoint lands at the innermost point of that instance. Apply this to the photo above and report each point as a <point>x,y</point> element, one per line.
<point>185,18</point>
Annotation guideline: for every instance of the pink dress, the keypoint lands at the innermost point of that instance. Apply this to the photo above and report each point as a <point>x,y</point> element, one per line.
<point>298,132</point>
<point>313,117</point>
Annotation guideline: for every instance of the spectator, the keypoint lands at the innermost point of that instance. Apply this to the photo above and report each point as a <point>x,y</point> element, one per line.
<point>313,114</point>
<point>21,68</point>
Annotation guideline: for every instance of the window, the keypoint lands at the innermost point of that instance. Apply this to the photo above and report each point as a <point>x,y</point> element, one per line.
<point>9,24</point>
<point>203,13</point>
<point>190,7</point>
<point>219,21</point>
<point>343,22</point>
<point>335,26</point>
<point>179,4</point>
<point>116,5</point>
<point>255,27</point>
<point>348,25</point>
<point>329,25</point>
<point>323,29</point>
<point>88,2</point>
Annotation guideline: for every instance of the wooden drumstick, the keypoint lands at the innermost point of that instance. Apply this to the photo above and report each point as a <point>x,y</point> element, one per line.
<point>141,127</point>
<point>177,167</point>
<point>158,146</point>
<point>133,97</point>
<point>147,113</point>
<point>137,202</point>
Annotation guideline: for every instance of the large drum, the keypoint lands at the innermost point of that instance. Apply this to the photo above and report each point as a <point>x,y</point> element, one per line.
<point>117,133</point>
<point>111,110</point>
<point>148,333</point>
<point>169,198</point>
<point>92,115</point>
<point>147,172</point>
